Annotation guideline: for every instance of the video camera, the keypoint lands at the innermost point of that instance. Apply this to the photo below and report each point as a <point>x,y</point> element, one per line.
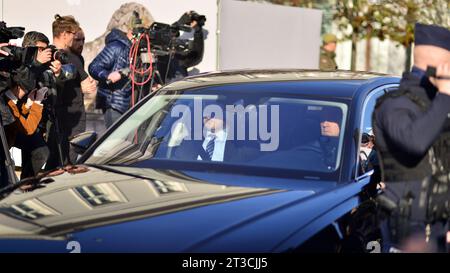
<point>17,55</point>
<point>158,52</point>
<point>10,33</point>
<point>164,37</point>
<point>189,17</point>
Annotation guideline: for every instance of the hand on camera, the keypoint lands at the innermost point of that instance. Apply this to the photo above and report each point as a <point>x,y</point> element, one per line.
<point>56,66</point>
<point>114,77</point>
<point>443,85</point>
<point>44,56</point>
<point>4,53</point>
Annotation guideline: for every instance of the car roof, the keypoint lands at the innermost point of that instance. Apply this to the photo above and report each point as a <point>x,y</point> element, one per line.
<point>345,83</point>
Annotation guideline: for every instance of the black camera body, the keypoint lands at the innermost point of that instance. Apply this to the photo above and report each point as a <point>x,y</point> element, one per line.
<point>163,38</point>
<point>10,33</point>
<point>17,55</point>
<point>170,54</point>
<point>189,17</point>
<point>200,19</point>
<point>59,55</point>
<point>22,55</point>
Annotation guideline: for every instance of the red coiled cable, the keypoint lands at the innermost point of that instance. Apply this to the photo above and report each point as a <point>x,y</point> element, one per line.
<point>133,55</point>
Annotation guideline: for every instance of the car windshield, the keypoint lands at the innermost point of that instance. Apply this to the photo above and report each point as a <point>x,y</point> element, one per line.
<point>239,128</point>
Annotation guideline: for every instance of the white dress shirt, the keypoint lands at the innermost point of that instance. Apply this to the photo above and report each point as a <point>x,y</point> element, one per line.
<point>219,145</point>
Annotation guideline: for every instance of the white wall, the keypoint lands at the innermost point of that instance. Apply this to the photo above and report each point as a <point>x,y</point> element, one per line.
<point>387,56</point>
<point>254,35</point>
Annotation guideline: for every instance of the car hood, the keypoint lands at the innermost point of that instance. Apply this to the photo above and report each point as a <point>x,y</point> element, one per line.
<point>129,209</point>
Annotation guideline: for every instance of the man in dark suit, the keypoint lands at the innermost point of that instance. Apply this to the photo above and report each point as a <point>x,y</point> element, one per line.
<point>216,145</point>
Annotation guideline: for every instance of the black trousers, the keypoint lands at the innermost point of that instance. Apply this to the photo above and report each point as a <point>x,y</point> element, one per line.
<point>397,230</point>
<point>3,171</point>
<point>34,153</point>
<point>70,124</point>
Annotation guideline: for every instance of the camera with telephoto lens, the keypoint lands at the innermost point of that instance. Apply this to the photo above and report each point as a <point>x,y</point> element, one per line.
<point>68,70</point>
<point>59,55</point>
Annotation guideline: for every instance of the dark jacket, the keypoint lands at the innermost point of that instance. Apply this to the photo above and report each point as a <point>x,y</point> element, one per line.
<point>189,150</point>
<point>404,128</point>
<point>113,57</point>
<point>404,134</point>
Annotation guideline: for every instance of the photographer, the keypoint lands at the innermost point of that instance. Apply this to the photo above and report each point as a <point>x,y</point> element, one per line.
<point>15,77</point>
<point>24,118</point>
<point>34,150</point>
<point>68,106</point>
<point>113,98</point>
<point>22,131</point>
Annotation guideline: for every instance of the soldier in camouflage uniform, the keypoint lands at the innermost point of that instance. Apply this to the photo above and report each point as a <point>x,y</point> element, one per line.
<point>327,52</point>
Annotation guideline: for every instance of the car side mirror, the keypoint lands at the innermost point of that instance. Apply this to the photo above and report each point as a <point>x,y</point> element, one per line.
<point>83,141</point>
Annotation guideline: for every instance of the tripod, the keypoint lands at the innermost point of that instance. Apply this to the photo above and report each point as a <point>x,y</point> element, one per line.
<point>12,179</point>
<point>145,63</point>
<point>50,81</point>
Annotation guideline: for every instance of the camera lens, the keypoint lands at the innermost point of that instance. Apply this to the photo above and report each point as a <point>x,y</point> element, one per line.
<point>61,56</point>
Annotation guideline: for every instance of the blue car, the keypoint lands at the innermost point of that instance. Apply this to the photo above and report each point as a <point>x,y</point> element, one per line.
<point>238,161</point>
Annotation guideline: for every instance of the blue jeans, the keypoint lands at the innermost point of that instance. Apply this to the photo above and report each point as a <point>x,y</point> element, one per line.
<point>111,116</point>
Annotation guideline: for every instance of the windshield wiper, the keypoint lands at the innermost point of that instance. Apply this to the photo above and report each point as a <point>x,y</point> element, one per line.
<point>110,168</point>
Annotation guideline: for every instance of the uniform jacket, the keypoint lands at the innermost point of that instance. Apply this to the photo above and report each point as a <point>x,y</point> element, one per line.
<point>408,130</point>
<point>404,126</point>
<point>327,61</point>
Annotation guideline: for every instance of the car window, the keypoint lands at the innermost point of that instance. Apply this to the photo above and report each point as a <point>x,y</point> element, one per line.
<point>234,128</point>
<point>367,154</point>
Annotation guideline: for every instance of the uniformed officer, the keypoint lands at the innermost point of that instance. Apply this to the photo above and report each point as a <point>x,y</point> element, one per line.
<point>412,129</point>
<point>327,52</point>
